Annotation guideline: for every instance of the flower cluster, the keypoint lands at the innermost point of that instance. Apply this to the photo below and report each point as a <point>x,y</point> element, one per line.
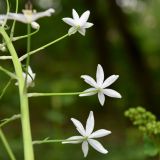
<point>145,120</point>
<point>99,86</point>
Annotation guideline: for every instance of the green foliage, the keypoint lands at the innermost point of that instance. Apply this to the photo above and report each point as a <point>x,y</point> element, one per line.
<point>149,126</point>
<point>150,147</point>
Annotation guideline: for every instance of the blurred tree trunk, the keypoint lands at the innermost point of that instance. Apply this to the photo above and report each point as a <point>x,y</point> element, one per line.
<point>100,36</point>
<point>139,65</point>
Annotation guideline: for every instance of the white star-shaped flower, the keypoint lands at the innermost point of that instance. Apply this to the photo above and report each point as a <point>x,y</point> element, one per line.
<point>100,86</point>
<point>28,16</point>
<point>30,77</point>
<point>87,137</point>
<point>78,23</point>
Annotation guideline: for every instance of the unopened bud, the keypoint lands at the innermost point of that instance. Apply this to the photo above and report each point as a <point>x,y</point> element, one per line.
<point>35,25</point>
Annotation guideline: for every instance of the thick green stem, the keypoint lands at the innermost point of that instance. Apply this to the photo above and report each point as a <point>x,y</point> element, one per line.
<point>26,130</point>
<point>6,145</point>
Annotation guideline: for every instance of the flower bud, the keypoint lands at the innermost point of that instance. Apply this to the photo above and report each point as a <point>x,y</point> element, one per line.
<point>35,25</point>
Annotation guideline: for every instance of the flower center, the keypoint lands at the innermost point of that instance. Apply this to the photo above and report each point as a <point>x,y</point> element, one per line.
<point>28,15</point>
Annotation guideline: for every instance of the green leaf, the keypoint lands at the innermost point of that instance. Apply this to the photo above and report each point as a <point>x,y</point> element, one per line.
<point>150,147</point>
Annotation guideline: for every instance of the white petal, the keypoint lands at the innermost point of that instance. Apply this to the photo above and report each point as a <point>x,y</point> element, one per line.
<point>35,25</point>
<point>91,90</point>
<point>84,18</point>
<point>111,93</point>
<point>90,124</point>
<point>110,80</point>
<point>88,25</point>
<point>89,80</point>
<point>101,98</point>
<point>46,13</point>
<point>100,75</point>
<point>17,17</point>
<point>85,148</point>
<point>79,126</point>
<point>97,146</point>
<point>72,30</point>
<point>73,140</point>
<point>100,133</point>
<point>69,21</point>
<point>82,31</point>
<point>75,15</point>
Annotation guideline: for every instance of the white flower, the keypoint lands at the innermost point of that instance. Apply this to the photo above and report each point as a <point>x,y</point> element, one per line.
<point>87,136</point>
<point>28,16</point>
<point>78,23</point>
<point>100,86</point>
<point>30,77</point>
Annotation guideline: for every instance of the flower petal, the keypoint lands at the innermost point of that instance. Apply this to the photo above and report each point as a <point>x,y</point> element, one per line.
<point>69,21</point>
<point>79,126</point>
<point>111,93</point>
<point>88,25</point>
<point>85,148</point>
<point>110,80</point>
<point>17,17</point>
<point>75,15</point>
<point>89,80</point>
<point>46,13</point>
<point>90,124</point>
<point>73,140</point>
<point>100,75</point>
<point>101,98</point>
<point>91,90</point>
<point>97,146</point>
<point>82,31</point>
<point>100,133</point>
<point>84,18</point>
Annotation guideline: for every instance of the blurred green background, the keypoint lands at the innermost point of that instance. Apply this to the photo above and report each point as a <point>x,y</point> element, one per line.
<point>124,40</point>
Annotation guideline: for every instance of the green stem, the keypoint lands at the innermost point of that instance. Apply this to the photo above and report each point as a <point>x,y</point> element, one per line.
<point>8,120</point>
<point>8,8</point>
<point>7,146</point>
<point>59,94</point>
<point>5,57</point>
<point>25,36</point>
<point>10,74</point>
<point>5,88</point>
<point>53,141</point>
<point>46,141</point>
<point>28,50</point>
<point>14,22</point>
<point>43,47</point>
<point>26,130</point>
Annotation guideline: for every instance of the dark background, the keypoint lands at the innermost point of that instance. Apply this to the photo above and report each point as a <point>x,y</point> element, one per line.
<point>124,40</point>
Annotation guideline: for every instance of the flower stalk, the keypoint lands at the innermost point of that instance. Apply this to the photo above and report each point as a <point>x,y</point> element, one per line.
<point>26,130</point>
<point>59,94</point>
<point>6,145</point>
<point>43,47</point>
